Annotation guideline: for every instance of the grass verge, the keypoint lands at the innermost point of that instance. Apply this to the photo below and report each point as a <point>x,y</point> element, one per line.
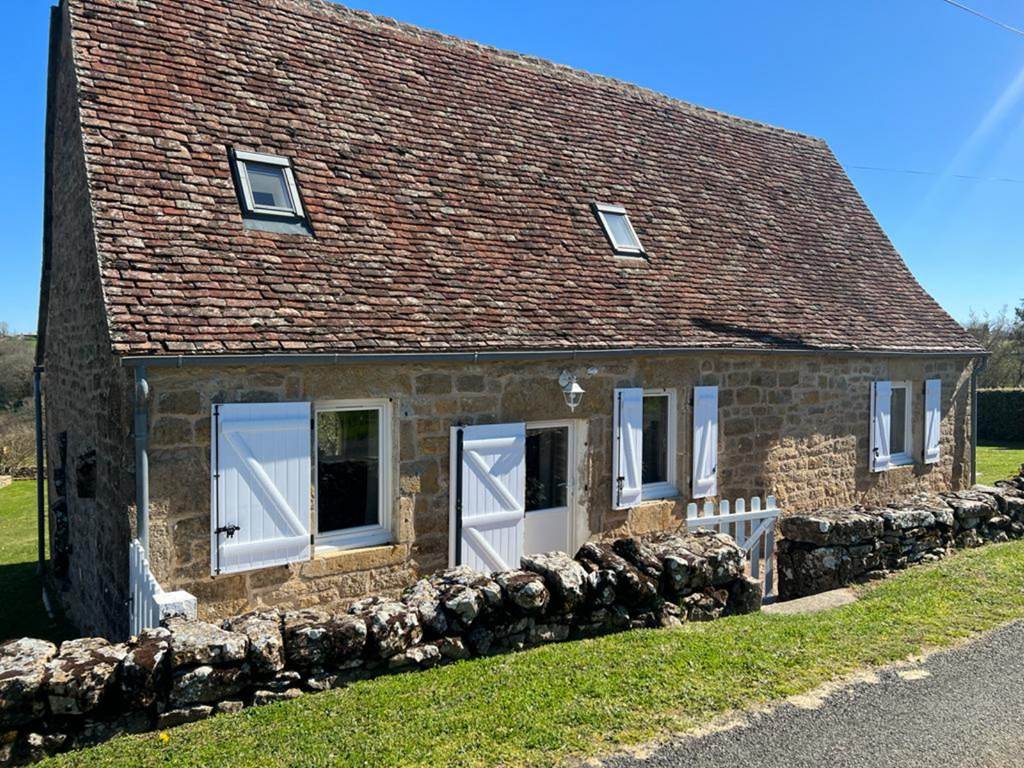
<point>21,605</point>
<point>577,699</point>
<point>999,461</point>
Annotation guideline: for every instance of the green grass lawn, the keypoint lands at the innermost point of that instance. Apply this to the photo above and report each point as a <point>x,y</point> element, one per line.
<point>998,461</point>
<point>564,702</point>
<point>21,605</point>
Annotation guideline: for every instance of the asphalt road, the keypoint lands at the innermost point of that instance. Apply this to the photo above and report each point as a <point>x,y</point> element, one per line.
<point>963,707</point>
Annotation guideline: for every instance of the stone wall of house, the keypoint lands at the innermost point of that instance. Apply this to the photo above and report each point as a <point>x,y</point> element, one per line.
<point>86,394</point>
<point>831,548</point>
<point>92,690</point>
<point>792,425</point>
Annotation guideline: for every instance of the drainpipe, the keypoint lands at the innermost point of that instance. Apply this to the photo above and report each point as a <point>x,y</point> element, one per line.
<point>142,457</point>
<point>976,370</point>
<point>37,393</point>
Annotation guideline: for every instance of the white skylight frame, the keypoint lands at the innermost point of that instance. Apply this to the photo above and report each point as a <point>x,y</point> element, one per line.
<point>635,248</point>
<point>242,161</point>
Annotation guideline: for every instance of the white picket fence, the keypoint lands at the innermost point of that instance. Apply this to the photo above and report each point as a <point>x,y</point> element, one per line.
<point>753,529</point>
<point>149,603</point>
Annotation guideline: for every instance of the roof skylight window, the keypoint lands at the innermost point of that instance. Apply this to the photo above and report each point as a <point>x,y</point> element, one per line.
<point>618,229</point>
<point>267,185</point>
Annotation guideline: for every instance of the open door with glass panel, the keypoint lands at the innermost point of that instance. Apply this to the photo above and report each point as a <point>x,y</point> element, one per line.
<point>550,467</point>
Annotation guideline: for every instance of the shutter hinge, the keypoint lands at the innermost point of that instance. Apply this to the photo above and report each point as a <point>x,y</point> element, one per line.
<point>229,530</point>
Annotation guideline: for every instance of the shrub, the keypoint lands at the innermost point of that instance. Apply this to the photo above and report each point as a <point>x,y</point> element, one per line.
<point>17,440</point>
<point>1001,414</point>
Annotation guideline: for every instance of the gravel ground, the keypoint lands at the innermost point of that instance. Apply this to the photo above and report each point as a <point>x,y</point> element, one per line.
<point>963,707</point>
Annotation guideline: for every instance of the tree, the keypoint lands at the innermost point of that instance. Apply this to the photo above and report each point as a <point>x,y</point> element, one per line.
<point>1003,336</point>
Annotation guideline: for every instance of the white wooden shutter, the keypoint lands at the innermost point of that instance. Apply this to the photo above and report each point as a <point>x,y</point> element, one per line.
<point>261,485</point>
<point>493,496</point>
<point>705,442</point>
<point>881,421</point>
<point>627,448</point>
<point>932,419</point>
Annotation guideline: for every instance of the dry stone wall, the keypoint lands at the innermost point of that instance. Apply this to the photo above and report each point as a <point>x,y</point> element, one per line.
<point>90,689</point>
<point>831,548</point>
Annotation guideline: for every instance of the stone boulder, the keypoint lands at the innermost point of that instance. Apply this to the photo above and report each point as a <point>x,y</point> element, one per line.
<point>746,595</point>
<point>466,595</point>
<point>22,671</point>
<point>208,685</point>
<point>524,590</point>
<point>144,669</point>
<point>832,527</point>
<point>632,587</point>
<point>197,642</point>
<point>425,598</point>
<point>564,577</point>
<point>971,508</point>
<point>315,640</point>
<point>391,627</point>
<point>79,679</point>
<point>266,643</point>
<point>724,556</point>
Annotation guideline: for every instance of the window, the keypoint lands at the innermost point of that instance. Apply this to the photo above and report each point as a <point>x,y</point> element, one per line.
<point>352,471</point>
<point>900,434</point>
<point>618,229</point>
<point>547,451</point>
<point>267,185</point>
<point>657,473</point>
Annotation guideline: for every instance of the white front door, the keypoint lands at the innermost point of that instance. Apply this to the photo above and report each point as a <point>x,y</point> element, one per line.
<point>550,486</point>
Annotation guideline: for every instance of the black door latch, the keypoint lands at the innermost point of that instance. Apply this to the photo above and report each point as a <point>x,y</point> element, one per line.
<point>228,529</point>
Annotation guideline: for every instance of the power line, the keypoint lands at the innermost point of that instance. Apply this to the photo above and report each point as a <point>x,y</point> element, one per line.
<point>914,172</point>
<point>981,15</point>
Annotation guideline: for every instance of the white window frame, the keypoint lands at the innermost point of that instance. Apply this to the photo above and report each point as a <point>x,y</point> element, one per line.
<point>668,488</point>
<point>364,535</point>
<point>602,209</point>
<point>906,456</point>
<point>242,159</point>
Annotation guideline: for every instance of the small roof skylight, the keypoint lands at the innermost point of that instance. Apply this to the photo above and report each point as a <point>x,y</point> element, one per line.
<point>618,229</point>
<point>267,185</point>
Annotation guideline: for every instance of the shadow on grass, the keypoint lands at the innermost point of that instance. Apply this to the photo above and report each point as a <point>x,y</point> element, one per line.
<point>22,612</point>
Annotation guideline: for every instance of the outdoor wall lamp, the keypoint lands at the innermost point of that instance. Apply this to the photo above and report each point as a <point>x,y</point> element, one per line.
<point>571,390</point>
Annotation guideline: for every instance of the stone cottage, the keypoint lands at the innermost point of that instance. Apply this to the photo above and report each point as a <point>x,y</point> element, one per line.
<point>330,301</point>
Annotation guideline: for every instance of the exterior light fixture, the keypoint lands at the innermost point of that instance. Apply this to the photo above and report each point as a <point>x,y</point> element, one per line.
<point>571,390</point>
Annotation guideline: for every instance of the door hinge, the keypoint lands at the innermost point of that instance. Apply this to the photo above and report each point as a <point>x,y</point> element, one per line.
<point>229,530</point>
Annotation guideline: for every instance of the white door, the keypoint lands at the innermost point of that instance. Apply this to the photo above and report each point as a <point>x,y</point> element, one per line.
<point>550,486</point>
<point>489,495</point>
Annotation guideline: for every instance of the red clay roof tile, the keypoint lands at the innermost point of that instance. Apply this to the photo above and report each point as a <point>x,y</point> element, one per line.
<point>449,187</point>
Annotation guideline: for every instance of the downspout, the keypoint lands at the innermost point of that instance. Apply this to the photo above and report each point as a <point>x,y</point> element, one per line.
<point>976,370</point>
<point>142,457</point>
<point>37,393</point>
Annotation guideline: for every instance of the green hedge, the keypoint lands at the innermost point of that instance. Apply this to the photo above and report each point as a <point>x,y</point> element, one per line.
<point>1001,414</point>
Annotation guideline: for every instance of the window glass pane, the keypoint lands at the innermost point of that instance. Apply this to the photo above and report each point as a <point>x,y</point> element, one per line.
<point>546,457</point>
<point>655,462</point>
<point>898,434</point>
<point>268,185</point>
<point>620,232</point>
<point>348,469</point>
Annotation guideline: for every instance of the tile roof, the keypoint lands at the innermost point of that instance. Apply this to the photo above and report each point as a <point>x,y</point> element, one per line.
<point>449,187</point>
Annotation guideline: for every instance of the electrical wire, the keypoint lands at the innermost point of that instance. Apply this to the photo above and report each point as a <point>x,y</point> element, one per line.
<point>914,172</point>
<point>981,15</point>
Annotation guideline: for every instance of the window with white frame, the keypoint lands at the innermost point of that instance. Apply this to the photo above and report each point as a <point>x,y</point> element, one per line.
<point>891,425</point>
<point>353,465</point>
<point>618,229</point>
<point>900,433</point>
<point>267,185</point>
<point>658,465</point>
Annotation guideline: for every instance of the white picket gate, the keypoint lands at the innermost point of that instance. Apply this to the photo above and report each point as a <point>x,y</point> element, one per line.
<point>149,603</point>
<point>753,529</point>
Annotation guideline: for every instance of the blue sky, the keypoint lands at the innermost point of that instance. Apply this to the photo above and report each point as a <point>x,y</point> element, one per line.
<point>913,85</point>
